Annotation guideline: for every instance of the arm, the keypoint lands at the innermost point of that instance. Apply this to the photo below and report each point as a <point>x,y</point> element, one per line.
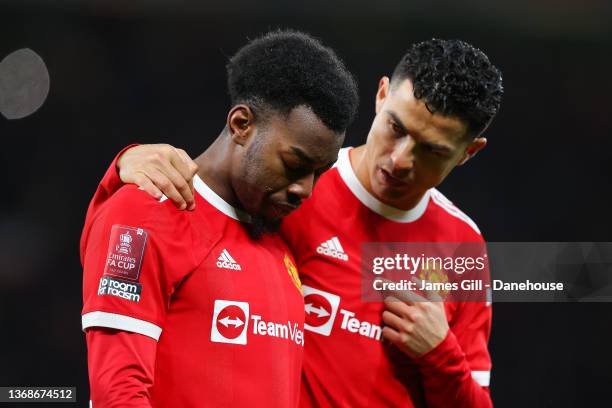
<point>121,368</point>
<point>127,287</point>
<point>449,376</point>
<point>454,361</point>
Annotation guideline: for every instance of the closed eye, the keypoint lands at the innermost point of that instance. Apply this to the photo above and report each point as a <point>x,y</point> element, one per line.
<point>435,149</point>
<point>397,129</point>
<point>296,171</point>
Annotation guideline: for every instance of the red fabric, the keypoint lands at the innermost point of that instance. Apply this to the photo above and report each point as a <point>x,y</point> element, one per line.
<point>345,362</point>
<point>227,306</point>
<point>447,377</point>
<point>121,368</point>
<point>110,184</point>
<point>344,368</point>
<point>170,235</point>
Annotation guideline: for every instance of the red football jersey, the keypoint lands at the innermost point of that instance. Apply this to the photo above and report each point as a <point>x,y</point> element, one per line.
<point>345,362</point>
<point>227,311</point>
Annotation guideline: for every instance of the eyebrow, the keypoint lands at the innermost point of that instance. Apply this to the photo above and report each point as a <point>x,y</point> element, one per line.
<point>404,129</point>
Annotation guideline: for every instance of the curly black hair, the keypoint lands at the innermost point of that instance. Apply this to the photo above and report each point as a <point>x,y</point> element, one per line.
<point>453,78</point>
<point>284,69</point>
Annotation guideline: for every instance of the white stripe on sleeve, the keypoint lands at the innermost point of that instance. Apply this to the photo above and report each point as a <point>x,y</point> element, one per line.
<point>120,322</point>
<point>483,378</point>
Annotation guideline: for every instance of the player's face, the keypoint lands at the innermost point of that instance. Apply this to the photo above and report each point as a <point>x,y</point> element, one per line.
<point>283,160</point>
<point>409,149</point>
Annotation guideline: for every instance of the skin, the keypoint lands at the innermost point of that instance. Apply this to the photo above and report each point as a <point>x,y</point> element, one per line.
<point>268,166</point>
<point>408,151</point>
<point>265,167</point>
<point>160,167</point>
<point>413,323</point>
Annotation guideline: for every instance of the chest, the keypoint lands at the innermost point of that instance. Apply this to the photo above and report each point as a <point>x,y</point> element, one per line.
<point>257,276</point>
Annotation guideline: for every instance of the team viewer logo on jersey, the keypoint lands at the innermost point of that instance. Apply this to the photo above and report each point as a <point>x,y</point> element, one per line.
<point>321,308</point>
<point>125,251</point>
<point>332,248</point>
<point>226,261</point>
<point>230,321</point>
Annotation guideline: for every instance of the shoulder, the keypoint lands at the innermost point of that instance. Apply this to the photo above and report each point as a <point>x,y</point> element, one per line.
<point>131,207</point>
<point>453,215</point>
<point>131,203</point>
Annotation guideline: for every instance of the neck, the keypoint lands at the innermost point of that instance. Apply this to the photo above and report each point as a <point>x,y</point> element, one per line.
<point>214,167</point>
<point>359,159</point>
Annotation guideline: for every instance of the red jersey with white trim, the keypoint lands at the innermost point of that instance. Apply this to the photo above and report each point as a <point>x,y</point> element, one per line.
<point>345,362</point>
<point>227,310</point>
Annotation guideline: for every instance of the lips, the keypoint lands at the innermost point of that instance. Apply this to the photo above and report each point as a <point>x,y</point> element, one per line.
<point>386,178</point>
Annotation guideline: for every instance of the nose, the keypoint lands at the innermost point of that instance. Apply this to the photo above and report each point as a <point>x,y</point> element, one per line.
<point>402,157</point>
<point>302,188</point>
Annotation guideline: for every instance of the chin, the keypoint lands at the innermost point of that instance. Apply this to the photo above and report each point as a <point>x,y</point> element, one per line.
<point>389,194</point>
<point>262,225</point>
<point>270,218</point>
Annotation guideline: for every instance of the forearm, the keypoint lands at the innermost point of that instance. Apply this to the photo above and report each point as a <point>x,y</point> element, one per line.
<point>447,378</point>
<point>121,368</point>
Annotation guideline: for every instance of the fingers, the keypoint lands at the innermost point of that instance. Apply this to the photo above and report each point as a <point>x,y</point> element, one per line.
<point>396,322</point>
<point>170,172</point>
<point>431,295</point>
<point>401,310</point>
<point>406,296</point>
<point>177,183</point>
<point>164,183</point>
<point>160,169</point>
<point>392,336</point>
<point>187,169</point>
<point>144,183</point>
<point>191,168</point>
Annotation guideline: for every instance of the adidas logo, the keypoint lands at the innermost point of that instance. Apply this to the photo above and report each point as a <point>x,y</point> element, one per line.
<point>332,248</point>
<point>226,261</point>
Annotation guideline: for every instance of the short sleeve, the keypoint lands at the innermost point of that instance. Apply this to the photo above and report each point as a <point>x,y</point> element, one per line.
<point>136,253</point>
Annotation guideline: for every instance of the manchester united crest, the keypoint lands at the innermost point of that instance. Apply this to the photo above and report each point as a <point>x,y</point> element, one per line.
<point>434,275</point>
<point>293,273</point>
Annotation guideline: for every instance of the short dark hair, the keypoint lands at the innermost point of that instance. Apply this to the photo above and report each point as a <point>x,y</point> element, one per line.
<point>453,78</point>
<point>284,69</point>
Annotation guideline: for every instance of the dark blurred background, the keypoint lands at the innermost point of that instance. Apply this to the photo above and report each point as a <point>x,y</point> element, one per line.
<point>153,71</point>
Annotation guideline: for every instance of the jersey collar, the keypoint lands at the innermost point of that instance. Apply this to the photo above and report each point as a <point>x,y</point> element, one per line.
<point>216,201</point>
<point>352,182</point>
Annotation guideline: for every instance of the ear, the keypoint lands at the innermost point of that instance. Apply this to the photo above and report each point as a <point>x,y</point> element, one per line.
<point>240,123</point>
<point>381,94</point>
<point>474,147</point>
